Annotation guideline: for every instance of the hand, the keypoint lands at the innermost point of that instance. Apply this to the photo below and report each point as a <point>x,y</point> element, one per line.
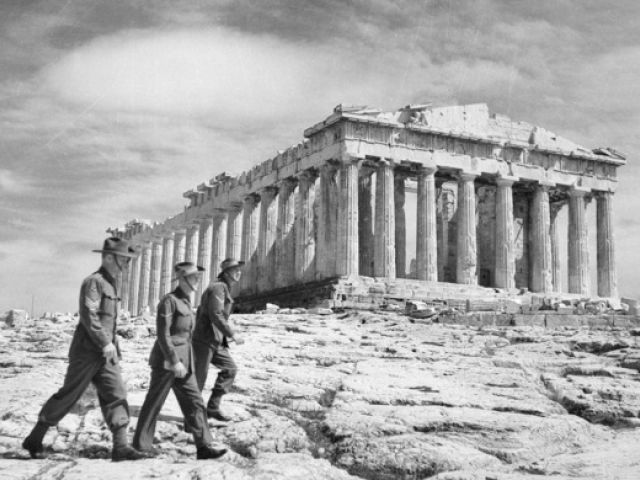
<point>238,340</point>
<point>110,353</point>
<point>179,370</point>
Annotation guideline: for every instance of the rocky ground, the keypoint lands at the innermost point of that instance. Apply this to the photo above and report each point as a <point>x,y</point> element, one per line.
<point>356,395</point>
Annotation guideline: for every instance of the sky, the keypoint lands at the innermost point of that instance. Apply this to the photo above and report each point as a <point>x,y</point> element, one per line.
<point>109,111</point>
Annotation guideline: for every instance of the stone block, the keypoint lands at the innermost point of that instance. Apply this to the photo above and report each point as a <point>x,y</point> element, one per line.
<point>553,320</point>
<point>504,320</point>
<point>531,320</point>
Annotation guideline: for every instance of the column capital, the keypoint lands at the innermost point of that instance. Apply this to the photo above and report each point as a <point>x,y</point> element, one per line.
<point>252,199</point>
<point>506,180</point>
<point>426,170</point>
<point>308,175</point>
<point>268,192</point>
<point>578,191</point>
<point>545,184</point>
<point>602,193</point>
<point>468,176</point>
<point>233,206</point>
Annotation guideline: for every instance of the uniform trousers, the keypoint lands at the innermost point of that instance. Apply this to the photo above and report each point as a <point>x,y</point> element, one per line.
<point>219,357</point>
<point>189,399</point>
<point>105,376</point>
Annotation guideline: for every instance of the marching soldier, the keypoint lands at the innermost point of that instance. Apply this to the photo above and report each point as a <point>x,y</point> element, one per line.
<point>172,367</point>
<point>94,357</point>
<point>213,333</point>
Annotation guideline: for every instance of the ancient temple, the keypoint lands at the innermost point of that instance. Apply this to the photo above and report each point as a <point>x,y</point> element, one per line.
<point>327,218</point>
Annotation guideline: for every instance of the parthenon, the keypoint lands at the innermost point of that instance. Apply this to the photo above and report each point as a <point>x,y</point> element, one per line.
<point>327,218</point>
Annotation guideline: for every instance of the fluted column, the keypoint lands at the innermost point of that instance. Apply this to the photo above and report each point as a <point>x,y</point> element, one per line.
<point>578,247</point>
<point>266,238</point>
<point>327,201</point>
<point>134,285</point>
<point>167,264</point>
<point>426,231</point>
<point>384,262</point>
<point>305,229</point>
<point>401,226</point>
<point>124,287</point>
<point>447,200</point>
<point>155,273</point>
<point>466,245</point>
<point>145,277</point>
<point>366,241</point>
<point>347,261</point>
<point>285,232</point>
<point>250,228</point>
<point>204,255</point>
<point>234,231</point>
<point>191,252</point>
<point>607,282</point>
<point>556,266</point>
<point>179,249</point>
<point>541,274</point>
<point>219,240</point>
<point>505,269</point>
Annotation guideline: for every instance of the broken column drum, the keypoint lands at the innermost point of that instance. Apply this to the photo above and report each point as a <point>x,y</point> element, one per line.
<point>334,216</point>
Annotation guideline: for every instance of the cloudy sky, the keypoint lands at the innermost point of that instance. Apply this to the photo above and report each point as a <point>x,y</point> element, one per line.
<point>109,110</point>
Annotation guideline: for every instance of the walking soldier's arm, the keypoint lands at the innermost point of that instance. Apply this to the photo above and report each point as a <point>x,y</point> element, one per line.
<point>163,328</point>
<point>215,307</point>
<point>90,299</point>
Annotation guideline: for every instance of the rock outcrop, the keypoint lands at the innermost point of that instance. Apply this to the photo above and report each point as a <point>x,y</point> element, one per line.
<point>356,395</point>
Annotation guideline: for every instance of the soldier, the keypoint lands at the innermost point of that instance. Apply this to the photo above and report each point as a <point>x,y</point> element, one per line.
<point>94,357</point>
<point>172,367</point>
<point>212,334</point>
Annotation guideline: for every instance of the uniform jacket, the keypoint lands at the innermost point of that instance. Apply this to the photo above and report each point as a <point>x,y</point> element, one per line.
<point>212,326</point>
<point>174,327</point>
<point>98,310</point>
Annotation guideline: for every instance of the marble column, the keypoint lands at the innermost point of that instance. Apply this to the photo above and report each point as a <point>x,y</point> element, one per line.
<point>401,226</point>
<point>607,281</point>
<point>347,258</point>
<point>191,252</point>
<point>204,255</point>
<point>505,269</point>
<point>447,208</point>
<point>250,228</point>
<point>219,240</point>
<point>541,275</point>
<point>305,254</point>
<point>556,265</point>
<point>578,247</point>
<point>266,238</point>
<point>365,221</point>
<point>155,274</point>
<point>234,231</point>
<point>145,277</point>
<point>327,201</point>
<point>167,264</point>
<point>384,261</point>
<point>134,285</point>
<point>426,230</point>
<point>285,233</point>
<point>466,244</point>
<point>179,249</point>
<point>124,287</point>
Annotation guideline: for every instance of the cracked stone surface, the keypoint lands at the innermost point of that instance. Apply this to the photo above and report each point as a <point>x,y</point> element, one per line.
<point>356,395</point>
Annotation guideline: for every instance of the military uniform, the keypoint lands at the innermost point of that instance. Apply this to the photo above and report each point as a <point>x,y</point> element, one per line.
<point>210,341</point>
<point>174,323</point>
<point>96,329</point>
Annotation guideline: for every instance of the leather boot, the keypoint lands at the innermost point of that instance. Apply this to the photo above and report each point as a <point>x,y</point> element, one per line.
<point>33,443</point>
<point>122,450</point>
<point>213,408</point>
<point>207,452</point>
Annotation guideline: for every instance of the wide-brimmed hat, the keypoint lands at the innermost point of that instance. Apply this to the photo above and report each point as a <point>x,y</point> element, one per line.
<point>230,263</point>
<point>117,246</point>
<point>184,269</point>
